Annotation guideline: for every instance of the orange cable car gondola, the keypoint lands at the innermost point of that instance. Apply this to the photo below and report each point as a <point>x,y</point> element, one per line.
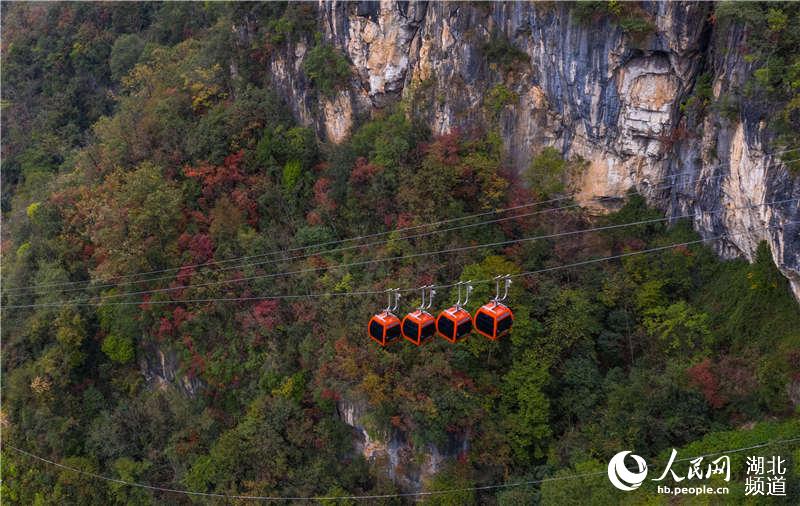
<point>455,322</point>
<point>494,319</point>
<point>384,327</point>
<point>419,326</point>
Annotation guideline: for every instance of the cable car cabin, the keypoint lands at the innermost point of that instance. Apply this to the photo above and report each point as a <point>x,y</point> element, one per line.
<point>493,320</point>
<point>454,323</point>
<point>384,328</point>
<point>418,327</point>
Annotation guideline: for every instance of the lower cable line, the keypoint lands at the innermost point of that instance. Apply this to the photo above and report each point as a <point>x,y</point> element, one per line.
<point>409,256</point>
<point>290,250</point>
<point>407,290</point>
<point>105,282</point>
<point>341,249</point>
<point>389,259</point>
<point>156,488</point>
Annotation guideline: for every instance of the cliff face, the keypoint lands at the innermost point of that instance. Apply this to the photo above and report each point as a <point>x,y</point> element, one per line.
<point>394,453</point>
<point>586,87</point>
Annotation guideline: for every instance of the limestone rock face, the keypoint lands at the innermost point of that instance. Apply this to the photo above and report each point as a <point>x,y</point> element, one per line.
<point>588,88</point>
<point>394,454</point>
<point>161,369</point>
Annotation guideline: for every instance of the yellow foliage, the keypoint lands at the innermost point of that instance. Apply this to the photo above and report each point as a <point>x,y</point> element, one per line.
<point>23,249</point>
<point>32,209</point>
<point>41,385</point>
<point>345,284</point>
<point>375,388</point>
<point>349,369</point>
<point>286,389</point>
<point>70,329</point>
<point>201,84</point>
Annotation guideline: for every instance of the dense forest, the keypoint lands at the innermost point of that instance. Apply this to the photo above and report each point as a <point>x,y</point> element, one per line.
<point>146,138</point>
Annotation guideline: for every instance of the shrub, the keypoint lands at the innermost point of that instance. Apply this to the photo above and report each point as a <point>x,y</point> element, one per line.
<point>695,106</point>
<point>327,68</point>
<point>637,27</point>
<point>728,107</point>
<point>771,50</point>
<point>292,171</point>
<point>313,235</point>
<point>549,172</point>
<point>631,19</point>
<point>297,19</point>
<point>118,349</point>
<point>499,97</point>
<point>23,249</point>
<point>125,54</point>
<point>280,146</point>
<point>501,52</point>
<point>33,209</point>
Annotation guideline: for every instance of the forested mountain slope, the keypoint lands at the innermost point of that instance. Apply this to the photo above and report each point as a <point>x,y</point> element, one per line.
<point>209,144</point>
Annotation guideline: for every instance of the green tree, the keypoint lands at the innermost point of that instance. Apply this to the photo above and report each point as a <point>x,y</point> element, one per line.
<point>527,407</point>
<point>549,173</point>
<point>130,471</point>
<point>125,54</point>
<point>572,321</point>
<point>593,489</point>
<point>327,68</point>
<point>680,327</point>
<point>118,349</point>
<point>134,214</point>
<point>451,478</point>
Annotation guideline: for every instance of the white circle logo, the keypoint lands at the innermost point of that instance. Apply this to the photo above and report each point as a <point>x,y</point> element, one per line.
<point>622,477</point>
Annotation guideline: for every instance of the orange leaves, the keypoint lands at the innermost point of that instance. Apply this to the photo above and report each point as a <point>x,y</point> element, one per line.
<point>376,389</point>
<point>683,250</point>
<point>445,149</point>
<point>461,381</point>
<point>329,394</point>
<point>242,199</point>
<point>167,327</point>
<point>313,218</point>
<point>129,219</point>
<point>184,275</point>
<point>317,262</point>
<point>188,443</point>
<point>180,315</point>
<point>405,220</point>
<point>304,312</point>
<point>363,172</point>
<point>200,247</point>
<point>266,313</point>
<point>739,380</point>
<point>228,181</point>
<point>261,319</point>
<point>348,369</point>
<point>322,198</point>
<point>197,363</point>
<point>701,376</point>
<point>65,201</point>
<point>217,178</point>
